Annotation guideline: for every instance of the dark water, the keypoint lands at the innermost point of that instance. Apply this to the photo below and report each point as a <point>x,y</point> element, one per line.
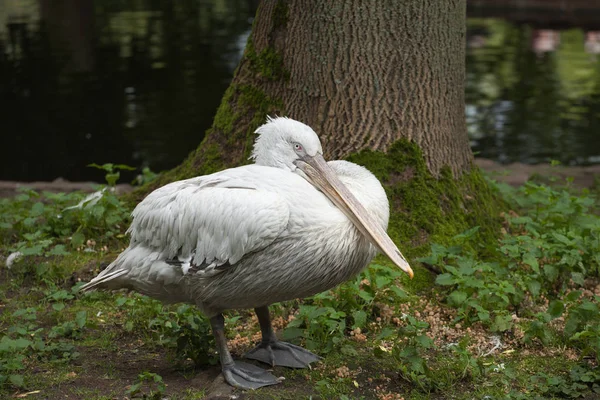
<point>137,82</point>
<point>533,94</point>
<point>133,82</point>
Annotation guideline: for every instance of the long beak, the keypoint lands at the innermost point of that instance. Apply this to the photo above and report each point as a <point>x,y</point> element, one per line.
<point>324,178</point>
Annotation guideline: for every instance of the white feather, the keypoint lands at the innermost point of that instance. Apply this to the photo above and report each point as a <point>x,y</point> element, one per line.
<point>218,222</point>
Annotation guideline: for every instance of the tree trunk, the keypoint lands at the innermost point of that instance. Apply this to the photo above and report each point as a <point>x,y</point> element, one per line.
<point>366,75</point>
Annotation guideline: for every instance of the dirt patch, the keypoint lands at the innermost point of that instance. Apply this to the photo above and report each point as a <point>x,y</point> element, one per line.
<point>107,372</point>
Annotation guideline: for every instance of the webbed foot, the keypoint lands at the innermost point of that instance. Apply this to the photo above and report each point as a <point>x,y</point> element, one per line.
<point>247,376</point>
<point>278,353</point>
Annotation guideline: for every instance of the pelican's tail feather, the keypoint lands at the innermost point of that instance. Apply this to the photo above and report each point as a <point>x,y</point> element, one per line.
<point>103,278</point>
<point>143,269</point>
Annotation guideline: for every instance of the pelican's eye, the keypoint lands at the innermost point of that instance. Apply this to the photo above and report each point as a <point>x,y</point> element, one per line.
<point>298,147</point>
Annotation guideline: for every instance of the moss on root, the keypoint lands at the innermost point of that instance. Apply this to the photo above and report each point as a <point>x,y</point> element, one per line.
<point>425,209</point>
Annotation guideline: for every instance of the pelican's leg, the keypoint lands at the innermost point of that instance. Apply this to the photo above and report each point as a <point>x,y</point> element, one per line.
<point>272,351</point>
<point>238,374</point>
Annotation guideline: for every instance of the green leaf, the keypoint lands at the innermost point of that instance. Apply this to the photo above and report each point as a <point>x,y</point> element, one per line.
<point>292,333</point>
<point>534,287</point>
<point>483,315</point>
<point>401,294</point>
<point>466,267</point>
<point>574,295</point>
<point>457,298</point>
<point>349,351</point>
<point>502,323</point>
<point>424,341</point>
<point>22,343</point>
<point>445,280</point>
<point>58,306</point>
<point>365,295</point>
<point>22,197</point>
<point>125,167</point>
<point>380,352</point>
<point>81,318</point>
<point>105,167</point>
<point>120,301</point>
<point>578,278</point>
<point>16,380</point>
<point>133,389</point>
<point>562,238</point>
<point>588,306</point>
<point>112,178</point>
<point>360,319</point>
<point>58,250</point>
<point>468,234</point>
<point>571,324</point>
<point>386,333</point>
<point>382,281</point>
<point>60,295</point>
<point>77,239</point>
<point>532,261</point>
<point>37,209</point>
<point>98,210</point>
<point>29,221</point>
<point>36,250</point>
<point>7,344</point>
<point>556,308</point>
<point>551,272</point>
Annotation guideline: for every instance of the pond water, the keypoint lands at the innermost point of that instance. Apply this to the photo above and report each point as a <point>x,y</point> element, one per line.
<point>137,82</point>
<point>533,94</point>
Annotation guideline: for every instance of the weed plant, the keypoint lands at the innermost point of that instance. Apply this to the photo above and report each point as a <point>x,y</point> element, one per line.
<point>539,291</point>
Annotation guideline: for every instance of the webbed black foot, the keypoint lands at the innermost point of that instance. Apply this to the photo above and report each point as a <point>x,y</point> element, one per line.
<point>247,376</point>
<point>278,353</point>
<point>238,374</point>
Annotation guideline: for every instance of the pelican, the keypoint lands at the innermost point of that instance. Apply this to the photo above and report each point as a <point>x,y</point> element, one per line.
<point>288,226</point>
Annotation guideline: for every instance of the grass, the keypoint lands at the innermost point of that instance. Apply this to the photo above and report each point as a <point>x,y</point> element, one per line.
<point>520,323</point>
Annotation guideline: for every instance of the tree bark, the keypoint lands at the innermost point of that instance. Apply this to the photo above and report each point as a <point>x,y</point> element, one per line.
<point>366,73</point>
<point>362,73</point>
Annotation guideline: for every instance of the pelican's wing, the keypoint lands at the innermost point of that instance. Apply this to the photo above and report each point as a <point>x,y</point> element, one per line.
<point>208,222</point>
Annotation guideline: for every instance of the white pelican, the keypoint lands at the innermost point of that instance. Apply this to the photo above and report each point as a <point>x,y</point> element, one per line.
<point>289,226</point>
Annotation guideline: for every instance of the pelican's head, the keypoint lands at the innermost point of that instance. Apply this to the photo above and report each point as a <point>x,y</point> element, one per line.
<point>282,141</point>
<point>291,145</point>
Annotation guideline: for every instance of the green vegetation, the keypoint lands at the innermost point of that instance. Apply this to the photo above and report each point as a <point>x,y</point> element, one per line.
<point>508,315</point>
<point>429,209</point>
